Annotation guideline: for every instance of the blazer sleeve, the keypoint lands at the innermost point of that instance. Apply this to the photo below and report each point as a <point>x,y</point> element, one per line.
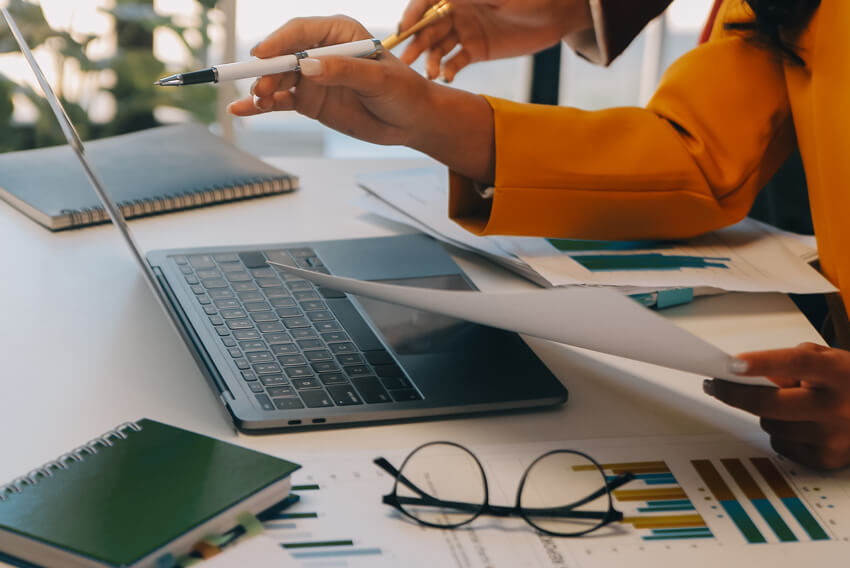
<point>717,128</point>
<point>615,24</point>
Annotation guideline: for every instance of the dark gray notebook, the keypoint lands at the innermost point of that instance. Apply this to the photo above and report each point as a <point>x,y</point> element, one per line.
<point>147,172</point>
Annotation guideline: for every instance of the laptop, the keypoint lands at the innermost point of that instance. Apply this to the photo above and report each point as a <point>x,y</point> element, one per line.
<point>285,355</point>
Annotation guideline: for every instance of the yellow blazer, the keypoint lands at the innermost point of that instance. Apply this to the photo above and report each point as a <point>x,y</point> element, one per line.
<point>724,118</point>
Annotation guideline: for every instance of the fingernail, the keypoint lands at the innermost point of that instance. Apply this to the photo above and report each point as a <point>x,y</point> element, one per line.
<point>251,90</point>
<point>311,67</point>
<point>229,107</point>
<point>260,103</point>
<point>708,387</point>
<point>739,366</point>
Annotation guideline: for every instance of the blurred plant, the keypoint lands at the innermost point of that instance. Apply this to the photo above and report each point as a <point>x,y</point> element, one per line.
<point>127,75</point>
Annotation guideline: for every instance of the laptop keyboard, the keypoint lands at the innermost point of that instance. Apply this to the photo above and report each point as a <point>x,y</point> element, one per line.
<point>296,345</point>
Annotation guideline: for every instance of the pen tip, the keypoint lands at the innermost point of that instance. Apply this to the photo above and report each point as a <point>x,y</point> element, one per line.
<point>158,82</point>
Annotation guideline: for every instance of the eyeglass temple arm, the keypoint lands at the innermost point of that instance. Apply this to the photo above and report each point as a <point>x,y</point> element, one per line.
<point>390,468</point>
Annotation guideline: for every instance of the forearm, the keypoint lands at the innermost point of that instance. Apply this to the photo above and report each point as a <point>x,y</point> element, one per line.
<point>456,128</point>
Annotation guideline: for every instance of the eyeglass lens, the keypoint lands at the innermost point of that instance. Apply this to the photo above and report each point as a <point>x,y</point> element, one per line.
<point>563,493</point>
<point>443,472</point>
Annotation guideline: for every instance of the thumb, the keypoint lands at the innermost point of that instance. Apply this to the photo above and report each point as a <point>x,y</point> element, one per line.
<point>364,76</point>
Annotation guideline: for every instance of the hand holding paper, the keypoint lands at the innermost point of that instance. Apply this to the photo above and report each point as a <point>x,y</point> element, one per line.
<point>599,319</point>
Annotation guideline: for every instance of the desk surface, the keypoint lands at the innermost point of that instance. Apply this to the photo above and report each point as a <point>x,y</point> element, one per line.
<point>84,345</point>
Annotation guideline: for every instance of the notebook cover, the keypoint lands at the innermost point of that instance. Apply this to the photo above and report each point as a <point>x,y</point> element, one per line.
<point>47,183</point>
<point>141,493</point>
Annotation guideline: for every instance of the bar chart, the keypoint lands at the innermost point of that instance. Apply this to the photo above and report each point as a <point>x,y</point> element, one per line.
<point>696,503</point>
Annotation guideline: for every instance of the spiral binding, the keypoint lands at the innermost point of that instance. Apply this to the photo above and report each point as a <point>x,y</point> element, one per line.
<point>184,200</point>
<point>18,484</point>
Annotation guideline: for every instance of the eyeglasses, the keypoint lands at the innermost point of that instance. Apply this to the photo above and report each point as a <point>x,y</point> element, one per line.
<point>562,492</point>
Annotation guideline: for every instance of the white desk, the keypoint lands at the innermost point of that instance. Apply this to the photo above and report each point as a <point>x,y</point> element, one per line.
<point>84,346</point>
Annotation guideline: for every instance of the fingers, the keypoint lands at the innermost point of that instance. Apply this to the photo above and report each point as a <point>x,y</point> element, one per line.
<point>793,404</point>
<point>436,54</point>
<point>808,362</point>
<point>426,38</point>
<point>265,86</point>
<point>250,106</point>
<point>413,13</point>
<point>451,67</point>
<point>303,33</point>
<point>364,76</point>
<point>820,457</point>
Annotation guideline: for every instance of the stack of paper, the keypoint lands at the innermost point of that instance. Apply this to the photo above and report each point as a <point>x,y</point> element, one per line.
<point>749,256</point>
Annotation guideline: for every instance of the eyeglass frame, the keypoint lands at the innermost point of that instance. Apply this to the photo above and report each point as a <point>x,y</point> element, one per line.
<point>612,515</point>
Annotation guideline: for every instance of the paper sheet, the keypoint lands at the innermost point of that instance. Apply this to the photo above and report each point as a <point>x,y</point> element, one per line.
<point>255,552</point>
<point>749,256</point>
<point>593,318</point>
<point>341,522</point>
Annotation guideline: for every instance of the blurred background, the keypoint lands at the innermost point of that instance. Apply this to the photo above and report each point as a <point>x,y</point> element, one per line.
<point>102,57</point>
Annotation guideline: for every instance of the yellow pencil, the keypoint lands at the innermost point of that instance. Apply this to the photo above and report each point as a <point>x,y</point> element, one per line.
<point>435,12</point>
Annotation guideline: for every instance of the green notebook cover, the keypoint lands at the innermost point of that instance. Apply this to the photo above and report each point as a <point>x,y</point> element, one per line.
<point>147,172</point>
<point>129,499</point>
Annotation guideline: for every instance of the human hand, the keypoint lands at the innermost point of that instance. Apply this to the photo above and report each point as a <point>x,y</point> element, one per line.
<point>808,416</point>
<point>377,100</point>
<point>490,29</point>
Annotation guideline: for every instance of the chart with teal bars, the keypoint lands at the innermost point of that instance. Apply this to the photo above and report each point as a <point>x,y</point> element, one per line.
<point>744,257</point>
<point>700,501</point>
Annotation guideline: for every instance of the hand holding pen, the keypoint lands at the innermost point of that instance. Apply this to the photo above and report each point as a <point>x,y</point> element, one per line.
<point>291,62</point>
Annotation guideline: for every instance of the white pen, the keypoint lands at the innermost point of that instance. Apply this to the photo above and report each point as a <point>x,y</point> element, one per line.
<point>270,66</point>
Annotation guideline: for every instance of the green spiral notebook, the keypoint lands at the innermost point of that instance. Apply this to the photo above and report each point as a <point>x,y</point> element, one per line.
<point>147,172</point>
<point>134,495</point>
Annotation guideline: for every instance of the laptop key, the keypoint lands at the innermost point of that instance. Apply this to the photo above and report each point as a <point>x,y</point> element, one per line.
<point>228,341</point>
<point>305,295</point>
<point>330,379</point>
<point>242,364</point>
<point>226,257</point>
<point>235,352</point>
<point>270,327</point>
<point>263,316</point>
<point>260,357</point>
<point>299,285</point>
<point>227,304</point>
<point>291,360</point>
<point>391,370</point>
<point>406,395</point>
<point>267,282</point>
<point>264,402</point>
<point>284,302</point>
<point>349,359</point>
<point>231,267</point>
<point>250,346</point>
<point>239,277</point>
<point>258,306</point>
<point>313,305</point>
<point>267,369</point>
<point>303,333</point>
<point>396,383</point>
<point>330,293</point>
<point>281,391</point>
<point>244,287</point>
<point>197,289</point>
<point>234,314</point>
<point>344,395</point>
<point>251,297</point>
<point>289,312</point>
<point>371,390</point>
<point>292,323</point>
<point>253,259</point>
<point>220,294</point>
<point>281,337</point>
<point>327,326</point>
<point>222,331</point>
<point>239,324</point>
<point>180,259</point>
<point>273,380</point>
<point>203,299</point>
<point>208,273</point>
<point>304,384</point>
<point>288,404</point>
<point>202,261</point>
<point>316,399</point>
<point>276,292</point>
<point>216,320</point>
<point>318,355</point>
<point>213,283</point>
<point>256,387</point>
<point>335,336</point>
<point>306,344</point>
<point>324,366</point>
<point>320,315</point>
<point>285,349</point>
<point>246,334</point>
<point>357,370</point>
<point>298,372</point>
<point>248,376</point>
<point>267,272</point>
<point>210,310</point>
<point>190,279</point>
<point>342,348</point>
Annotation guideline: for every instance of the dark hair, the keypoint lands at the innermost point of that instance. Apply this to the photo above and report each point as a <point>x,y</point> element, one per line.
<point>777,22</point>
